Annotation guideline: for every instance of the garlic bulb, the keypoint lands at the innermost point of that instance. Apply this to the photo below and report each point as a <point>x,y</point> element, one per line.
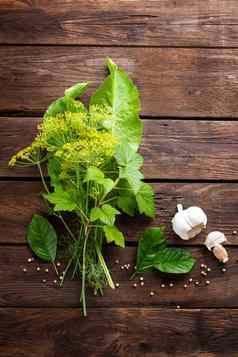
<point>214,242</point>
<point>189,222</point>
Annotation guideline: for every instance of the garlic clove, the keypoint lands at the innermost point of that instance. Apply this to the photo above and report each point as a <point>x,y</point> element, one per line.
<point>214,238</point>
<point>220,253</point>
<point>189,222</point>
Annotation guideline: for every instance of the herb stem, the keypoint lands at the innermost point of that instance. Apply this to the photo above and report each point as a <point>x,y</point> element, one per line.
<point>42,177</point>
<point>104,266</point>
<point>66,226</point>
<point>84,272</point>
<point>55,268</point>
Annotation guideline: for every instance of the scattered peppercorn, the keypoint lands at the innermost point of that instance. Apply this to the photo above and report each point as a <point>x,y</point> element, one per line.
<point>117,261</point>
<point>38,268</point>
<point>171,285</point>
<point>223,270</point>
<point>134,285</point>
<point>185,286</point>
<point>162,285</point>
<point>207,282</point>
<point>117,285</point>
<point>142,283</point>
<point>152,293</point>
<point>47,270</point>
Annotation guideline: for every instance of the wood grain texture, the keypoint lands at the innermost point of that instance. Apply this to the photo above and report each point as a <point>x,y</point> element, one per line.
<point>172,82</point>
<point>19,200</point>
<point>141,23</point>
<point>28,289</point>
<point>124,332</point>
<point>172,149</point>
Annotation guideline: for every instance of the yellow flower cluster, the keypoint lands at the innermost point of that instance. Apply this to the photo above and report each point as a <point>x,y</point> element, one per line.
<point>77,139</point>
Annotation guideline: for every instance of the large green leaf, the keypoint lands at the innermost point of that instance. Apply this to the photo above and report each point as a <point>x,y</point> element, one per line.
<point>42,238</point>
<point>145,200</point>
<point>173,260</point>
<point>151,241</point>
<point>106,214</point>
<point>113,234</point>
<point>120,94</point>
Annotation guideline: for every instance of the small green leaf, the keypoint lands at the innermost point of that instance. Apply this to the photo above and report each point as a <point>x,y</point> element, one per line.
<point>76,90</point>
<point>94,174</point>
<point>62,200</point>
<point>129,163</point>
<point>58,106</point>
<point>42,238</point>
<point>113,234</point>
<point>54,171</point>
<point>152,240</point>
<point>108,185</point>
<point>106,214</point>
<point>174,260</point>
<point>145,200</point>
<point>127,203</point>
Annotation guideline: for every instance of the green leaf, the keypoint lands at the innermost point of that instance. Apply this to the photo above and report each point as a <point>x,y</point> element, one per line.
<point>58,106</point>
<point>174,260</point>
<point>153,253</point>
<point>64,104</point>
<point>106,214</point>
<point>113,234</point>
<point>152,240</point>
<point>94,174</point>
<point>127,203</point>
<point>145,200</point>
<point>108,185</point>
<point>76,90</point>
<point>120,94</point>
<point>42,238</point>
<point>54,171</point>
<point>62,200</point>
<point>129,163</point>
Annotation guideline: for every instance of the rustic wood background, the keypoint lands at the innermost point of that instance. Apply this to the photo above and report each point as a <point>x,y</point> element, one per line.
<point>183,55</point>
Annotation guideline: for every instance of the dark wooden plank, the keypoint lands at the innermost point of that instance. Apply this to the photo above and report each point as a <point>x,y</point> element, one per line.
<point>19,200</point>
<point>118,333</point>
<point>20,288</point>
<point>172,82</point>
<point>174,149</point>
<point>143,22</point>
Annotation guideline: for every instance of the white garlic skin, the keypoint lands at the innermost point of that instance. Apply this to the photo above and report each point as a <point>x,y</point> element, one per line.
<point>214,238</point>
<point>189,222</point>
<point>220,253</point>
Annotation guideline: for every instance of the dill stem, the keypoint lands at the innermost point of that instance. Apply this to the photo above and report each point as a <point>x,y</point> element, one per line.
<point>55,268</point>
<point>84,272</point>
<point>104,266</point>
<point>66,226</point>
<point>42,177</point>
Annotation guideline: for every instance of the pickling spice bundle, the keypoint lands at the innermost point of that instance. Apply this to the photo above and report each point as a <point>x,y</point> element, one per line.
<point>94,169</point>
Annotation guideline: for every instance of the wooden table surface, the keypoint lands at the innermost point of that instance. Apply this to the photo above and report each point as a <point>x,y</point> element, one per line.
<point>183,55</point>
